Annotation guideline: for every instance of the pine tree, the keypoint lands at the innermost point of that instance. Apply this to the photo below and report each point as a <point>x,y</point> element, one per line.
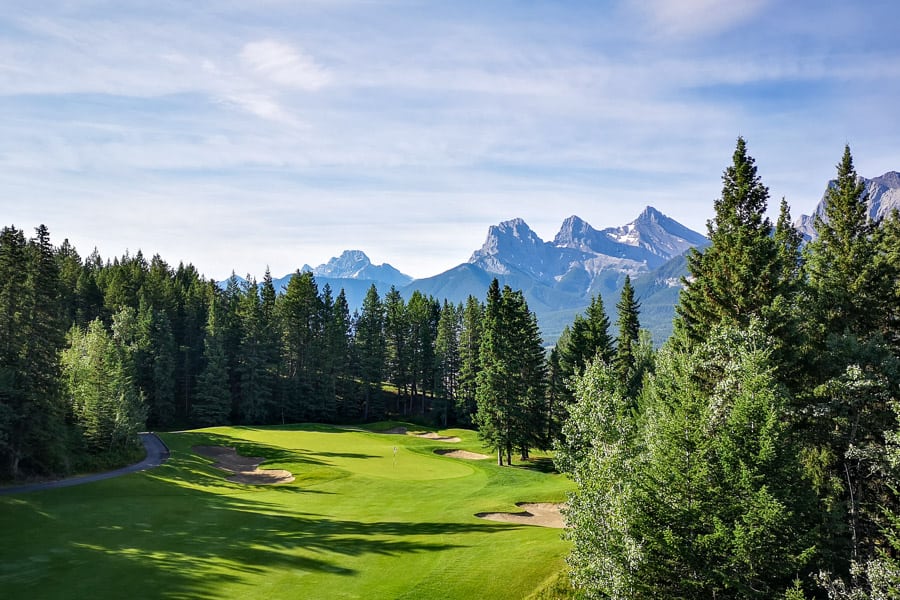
<point>270,341</point>
<point>254,404</point>
<point>854,372</point>
<point>421,322</point>
<point>300,314</point>
<point>212,402</point>
<point>839,262</point>
<point>738,276</point>
<point>369,347</point>
<point>492,394</point>
<point>446,348</point>
<point>469,359</point>
<point>629,329</point>
<point>396,333</point>
<point>511,382</point>
<point>338,333</point>
<point>43,411</point>
<point>13,339</point>
<point>585,340</point>
<point>887,265</point>
<point>589,338</point>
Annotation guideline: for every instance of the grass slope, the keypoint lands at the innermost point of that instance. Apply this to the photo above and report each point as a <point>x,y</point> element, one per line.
<point>359,521</point>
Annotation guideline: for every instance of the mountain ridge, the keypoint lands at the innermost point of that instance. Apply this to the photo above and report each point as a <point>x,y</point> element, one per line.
<point>882,197</point>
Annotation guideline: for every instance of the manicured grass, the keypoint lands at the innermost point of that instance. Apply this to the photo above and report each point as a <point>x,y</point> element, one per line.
<point>359,521</point>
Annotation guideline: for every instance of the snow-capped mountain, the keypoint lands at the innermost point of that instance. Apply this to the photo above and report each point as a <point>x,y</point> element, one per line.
<point>882,197</point>
<point>560,277</point>
<point>579,250</point>
<point>354,264</point>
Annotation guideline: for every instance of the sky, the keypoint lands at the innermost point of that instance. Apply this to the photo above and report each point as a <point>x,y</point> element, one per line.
<point>242,135</point>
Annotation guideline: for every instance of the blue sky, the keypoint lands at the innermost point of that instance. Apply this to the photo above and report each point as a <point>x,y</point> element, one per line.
<point>236,135</point>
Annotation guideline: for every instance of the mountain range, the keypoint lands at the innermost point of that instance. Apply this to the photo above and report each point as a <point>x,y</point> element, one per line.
<point>559,278</point>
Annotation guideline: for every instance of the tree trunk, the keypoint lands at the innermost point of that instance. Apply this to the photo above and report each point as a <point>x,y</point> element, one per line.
<point>500,456</point>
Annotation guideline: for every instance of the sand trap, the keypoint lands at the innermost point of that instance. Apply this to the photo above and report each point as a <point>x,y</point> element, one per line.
<point>542,514</point>
<point>462,454</point>
<point>438,438</point>
<point>245,468</point>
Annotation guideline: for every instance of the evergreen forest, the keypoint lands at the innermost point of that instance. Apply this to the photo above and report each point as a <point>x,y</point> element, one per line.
<point>756,454</point>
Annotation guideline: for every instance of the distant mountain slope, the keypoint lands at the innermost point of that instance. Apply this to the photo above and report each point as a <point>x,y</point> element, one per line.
<point>559,278</point>
<point>354,264</point>
<point>883,196</point>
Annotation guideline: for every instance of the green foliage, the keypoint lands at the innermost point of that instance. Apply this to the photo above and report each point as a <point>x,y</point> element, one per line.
<point>469,359</point>
<point>739,275</point>
<point>700,496</point>
<point>104,401</point>
<point>840,263</point>
<point>625,359</point>
<point>512,377</point>
<point>370,350</point>
<point>599,454</point>
<point>212,401</point>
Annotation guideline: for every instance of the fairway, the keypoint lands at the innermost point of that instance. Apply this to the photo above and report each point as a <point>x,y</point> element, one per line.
<point>368,515</point>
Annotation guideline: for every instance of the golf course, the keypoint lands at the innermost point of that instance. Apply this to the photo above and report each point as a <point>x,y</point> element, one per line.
<point>306,511</point>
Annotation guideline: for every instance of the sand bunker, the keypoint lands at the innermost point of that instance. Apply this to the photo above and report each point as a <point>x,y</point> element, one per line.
<point>542,514</point>
<point>438,438</point>
<point>245,468</point>
<point>462,454</point>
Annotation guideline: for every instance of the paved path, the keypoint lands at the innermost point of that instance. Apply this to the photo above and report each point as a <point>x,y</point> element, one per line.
<point>157,454</point>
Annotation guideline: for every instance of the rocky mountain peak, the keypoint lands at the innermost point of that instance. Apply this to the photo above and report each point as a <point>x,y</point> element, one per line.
<point>882,197</point>
<point>573,232</point>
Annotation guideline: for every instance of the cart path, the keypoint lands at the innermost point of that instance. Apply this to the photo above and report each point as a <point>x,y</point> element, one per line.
<point>157,454</point>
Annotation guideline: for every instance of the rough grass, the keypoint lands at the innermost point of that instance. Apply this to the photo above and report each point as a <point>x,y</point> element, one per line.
<point>359,521</point>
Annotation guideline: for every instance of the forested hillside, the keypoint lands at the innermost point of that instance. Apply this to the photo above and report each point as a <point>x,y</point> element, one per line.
<point>95,350</point>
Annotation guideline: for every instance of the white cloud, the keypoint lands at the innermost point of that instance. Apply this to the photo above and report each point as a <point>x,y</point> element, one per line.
<point>284,64</point>
<point>685,18</point>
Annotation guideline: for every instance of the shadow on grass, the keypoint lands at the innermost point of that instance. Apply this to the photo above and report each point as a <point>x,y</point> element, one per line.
<point>185,542</point>
<point>541,465</point>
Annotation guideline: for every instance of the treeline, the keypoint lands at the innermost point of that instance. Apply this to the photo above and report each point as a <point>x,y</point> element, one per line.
<point>758,455</point>
<point>94,351</point>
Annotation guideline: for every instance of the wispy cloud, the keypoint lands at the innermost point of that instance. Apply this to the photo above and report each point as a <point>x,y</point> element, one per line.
<point>685,18</point>
<point>284,64</point>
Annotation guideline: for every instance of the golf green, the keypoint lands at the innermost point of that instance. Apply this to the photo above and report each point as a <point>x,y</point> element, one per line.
<point>368,515</point>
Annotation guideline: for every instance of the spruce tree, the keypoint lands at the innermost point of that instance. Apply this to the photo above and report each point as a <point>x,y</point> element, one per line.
<point>339,349</point>
<point>738,276</point>
<point>44,409</point>
<point>628,310</point>
<point>447,358</point>
<point>369,347</point>
<point>512,380</point>
<point>469,359</point>
<point>396,334</point>
<point>854,373</point>
<point>300,315</point>
<point>840,261</point>
<point>492,393</point>
<point>13,339</point>
<point>212,403</point>
<point>254,404</point>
